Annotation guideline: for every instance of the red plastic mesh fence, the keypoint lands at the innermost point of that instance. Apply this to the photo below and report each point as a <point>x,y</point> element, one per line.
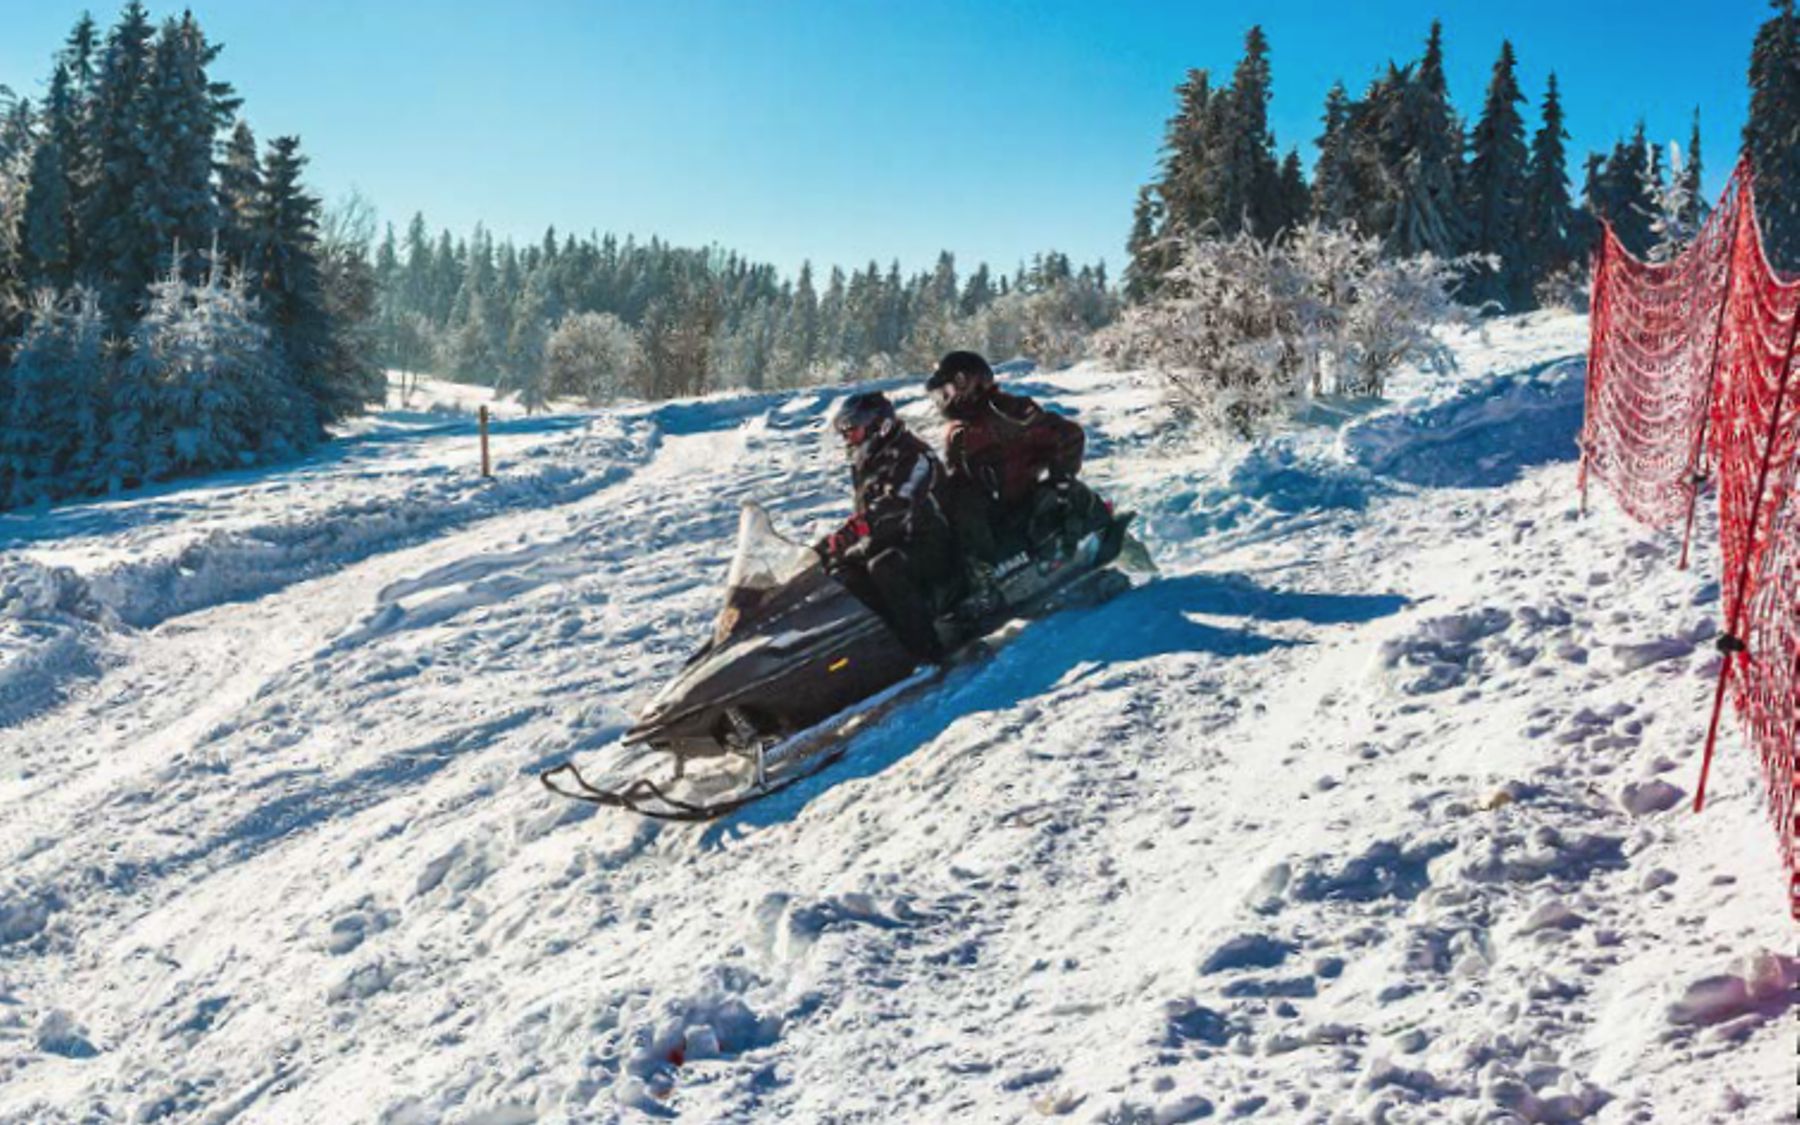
<point>1691,365</point>
<point>1655,330</point>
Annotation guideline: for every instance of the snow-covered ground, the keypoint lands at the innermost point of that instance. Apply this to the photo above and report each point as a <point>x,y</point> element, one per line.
<point>1371,807</point>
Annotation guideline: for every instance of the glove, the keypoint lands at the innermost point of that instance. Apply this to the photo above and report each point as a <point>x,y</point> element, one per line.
<point>847,544</point>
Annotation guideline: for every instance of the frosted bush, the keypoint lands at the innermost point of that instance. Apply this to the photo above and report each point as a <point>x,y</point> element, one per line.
<point>592,356</point>
<point>1241,331</point>
<point>1568,289</point>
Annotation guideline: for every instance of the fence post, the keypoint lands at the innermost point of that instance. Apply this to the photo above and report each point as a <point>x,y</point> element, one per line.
<point>1730,644</point>
<point>1712,381</point>
<point>487,465</point>
<point>1596,331</point>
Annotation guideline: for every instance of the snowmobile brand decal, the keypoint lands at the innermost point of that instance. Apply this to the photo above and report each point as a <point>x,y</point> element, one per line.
<point>839,664</point>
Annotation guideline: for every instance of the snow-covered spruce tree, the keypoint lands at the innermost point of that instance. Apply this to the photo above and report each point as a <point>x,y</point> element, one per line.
<point>1547,217</point>
<point>1244,330</point>
<point>1405,148</point>
<point>1430,218</point>
<point>1496,190</point>
<point>1675,213</point>
<point>201,366</point>
<point>1696,209</point>
<point>32,436</point>
<point>1772,133</point>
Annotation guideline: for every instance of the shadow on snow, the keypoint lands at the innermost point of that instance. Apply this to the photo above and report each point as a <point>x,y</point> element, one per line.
<point>1150,621</point>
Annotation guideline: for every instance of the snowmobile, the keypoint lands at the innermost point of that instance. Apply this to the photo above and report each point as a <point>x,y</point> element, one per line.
<point>796,663</point>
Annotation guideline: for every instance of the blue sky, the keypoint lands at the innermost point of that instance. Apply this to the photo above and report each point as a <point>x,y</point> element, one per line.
<point>850,130</point>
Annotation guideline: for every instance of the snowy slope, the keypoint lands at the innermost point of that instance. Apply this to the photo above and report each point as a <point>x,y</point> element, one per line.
<point>1370,808</point>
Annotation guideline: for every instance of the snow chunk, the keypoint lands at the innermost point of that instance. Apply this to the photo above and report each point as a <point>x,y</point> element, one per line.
<point>1248,951</point>
<point>58,1033</point>
<point>1642,798</point>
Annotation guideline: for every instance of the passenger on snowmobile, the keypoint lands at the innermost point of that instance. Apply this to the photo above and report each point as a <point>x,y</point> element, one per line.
<point>895,552</point>
<point>1012,466</point>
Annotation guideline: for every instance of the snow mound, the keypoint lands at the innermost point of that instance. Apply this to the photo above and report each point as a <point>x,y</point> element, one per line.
<point>1484,435</point>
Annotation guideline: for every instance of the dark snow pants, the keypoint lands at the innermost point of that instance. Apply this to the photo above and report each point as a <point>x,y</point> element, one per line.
<point>906,586</point>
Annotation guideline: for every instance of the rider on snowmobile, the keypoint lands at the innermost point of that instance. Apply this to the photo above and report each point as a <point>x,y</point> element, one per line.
<point>1012,466</point>
<point>895,552</point>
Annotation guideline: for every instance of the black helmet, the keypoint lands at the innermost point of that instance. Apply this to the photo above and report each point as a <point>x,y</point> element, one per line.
<point>863,421</point>
<point>963,380</point>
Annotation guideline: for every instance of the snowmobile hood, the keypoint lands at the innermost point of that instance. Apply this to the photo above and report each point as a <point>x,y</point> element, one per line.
<point>781,610</point>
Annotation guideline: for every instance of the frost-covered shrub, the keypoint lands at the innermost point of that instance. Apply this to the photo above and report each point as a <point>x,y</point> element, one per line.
<point>1242,330</point>
<point>1051,325</point>
<point>1569,289</point>
<point>592,356</point>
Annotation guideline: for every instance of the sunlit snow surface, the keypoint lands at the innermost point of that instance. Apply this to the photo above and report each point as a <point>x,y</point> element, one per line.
<point>1372,807</point>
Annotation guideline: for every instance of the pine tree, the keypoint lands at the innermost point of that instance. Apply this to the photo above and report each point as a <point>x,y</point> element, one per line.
<point>1144,272</point>
<point>978,292</point>
<point>47,242</point>
<point>119,249</point>
<point>183,112</point>
<point>1187,147</point>
<point>1421,142</point>
<point>1334,200</point>
<point>1242,178</point>
<point>1497,170</point>
<point>1548,218</point>
<point>288,282</point>
<point>1772,133</point>
<point>1295,197</point>
<point>1694,208</point>
<point>1623,193</point>
<point>239,193</point>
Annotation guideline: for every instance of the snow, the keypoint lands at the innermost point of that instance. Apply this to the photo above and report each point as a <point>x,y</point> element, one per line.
<point>1373,807</point>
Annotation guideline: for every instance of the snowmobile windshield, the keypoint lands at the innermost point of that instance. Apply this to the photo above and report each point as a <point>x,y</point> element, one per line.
<point>764,563</point>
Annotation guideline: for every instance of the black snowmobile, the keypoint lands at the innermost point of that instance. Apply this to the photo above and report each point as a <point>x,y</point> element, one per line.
<point>797,663</point>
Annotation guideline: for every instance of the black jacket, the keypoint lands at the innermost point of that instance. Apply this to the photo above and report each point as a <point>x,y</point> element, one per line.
<point>899,485</point>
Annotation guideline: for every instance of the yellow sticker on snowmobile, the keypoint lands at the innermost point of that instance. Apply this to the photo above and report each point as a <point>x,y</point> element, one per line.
<point>839,664</point>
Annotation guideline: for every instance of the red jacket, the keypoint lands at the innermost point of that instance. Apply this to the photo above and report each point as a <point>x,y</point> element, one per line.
<point>1008,444</point>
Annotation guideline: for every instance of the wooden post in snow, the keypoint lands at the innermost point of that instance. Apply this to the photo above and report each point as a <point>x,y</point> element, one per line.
<point>487,465</point>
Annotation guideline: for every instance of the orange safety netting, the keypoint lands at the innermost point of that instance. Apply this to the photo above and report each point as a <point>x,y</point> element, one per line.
<point>1689,379</point>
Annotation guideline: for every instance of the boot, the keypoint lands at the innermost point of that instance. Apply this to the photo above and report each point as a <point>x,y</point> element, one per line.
<point>984,597</point>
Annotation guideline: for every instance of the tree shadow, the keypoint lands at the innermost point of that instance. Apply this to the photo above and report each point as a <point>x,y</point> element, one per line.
<point>1156,619</point>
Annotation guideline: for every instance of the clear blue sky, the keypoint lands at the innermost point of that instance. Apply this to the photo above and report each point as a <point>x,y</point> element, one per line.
<point>857,129</point>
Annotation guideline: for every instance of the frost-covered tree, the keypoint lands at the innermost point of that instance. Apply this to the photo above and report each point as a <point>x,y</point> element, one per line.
<point>1245,330</point>
<point>1675,212</point>
<point>201,366</point>
<point>592,356</point>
